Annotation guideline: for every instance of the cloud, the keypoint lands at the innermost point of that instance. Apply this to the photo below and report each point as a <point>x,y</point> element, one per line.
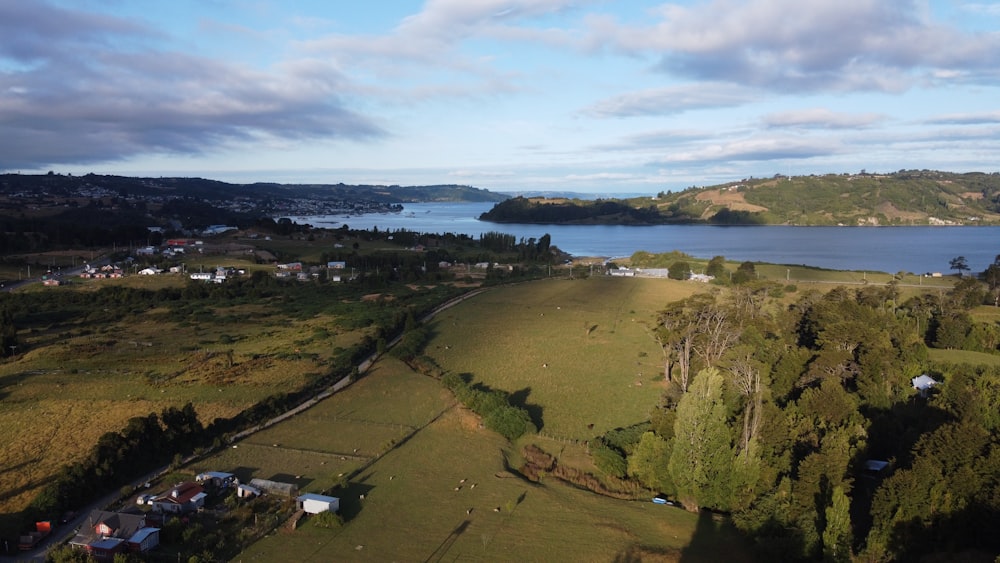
<point>81,88</point>
<point>819,118</point>
<point>754,149</point>
<point>966,119</point>
<point>671,100</point>
<point>783,45</point>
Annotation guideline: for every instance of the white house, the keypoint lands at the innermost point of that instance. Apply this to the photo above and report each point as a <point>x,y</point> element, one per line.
<point>149,271</point>
<point>314,504</point>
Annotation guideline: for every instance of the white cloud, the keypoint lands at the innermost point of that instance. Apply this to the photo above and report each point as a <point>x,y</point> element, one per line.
<point>793,45</point>
<point>671,100</point>
<point>755,149</point>
<point>820,118</point>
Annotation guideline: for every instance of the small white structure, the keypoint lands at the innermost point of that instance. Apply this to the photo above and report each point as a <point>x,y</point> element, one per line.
<point>923,383</point>
<point>246,491</point>
<point>314,504</point>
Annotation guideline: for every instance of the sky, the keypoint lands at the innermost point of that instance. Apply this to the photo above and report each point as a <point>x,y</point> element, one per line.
<point>603,97</point>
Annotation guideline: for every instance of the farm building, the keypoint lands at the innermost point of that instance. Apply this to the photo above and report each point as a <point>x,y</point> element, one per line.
<point>314,504</point>
<point>185,497</point>
<point>275,487</point>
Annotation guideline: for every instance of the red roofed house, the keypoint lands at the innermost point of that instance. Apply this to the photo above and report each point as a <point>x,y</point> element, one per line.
<point>185,497</point>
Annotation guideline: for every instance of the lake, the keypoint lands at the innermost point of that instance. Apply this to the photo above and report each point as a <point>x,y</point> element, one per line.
<point>885,249</point>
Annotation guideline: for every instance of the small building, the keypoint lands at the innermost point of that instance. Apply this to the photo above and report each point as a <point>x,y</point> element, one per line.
<point>336,265</point>
<point>312,503</point>
<point>144,540</point>
<point>923,383</point>
<point>246,491</point>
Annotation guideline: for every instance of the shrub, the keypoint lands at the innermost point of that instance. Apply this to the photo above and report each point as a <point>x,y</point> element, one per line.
<point>329,520</point>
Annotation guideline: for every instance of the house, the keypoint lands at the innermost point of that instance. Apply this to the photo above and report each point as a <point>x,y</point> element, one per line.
<point>217,479</point>
<point>336,265</point>
<point>185,497</point>
<point>923,383</point>
<point>104,534</point>
<point>312,503</point>
<point>149,271</point>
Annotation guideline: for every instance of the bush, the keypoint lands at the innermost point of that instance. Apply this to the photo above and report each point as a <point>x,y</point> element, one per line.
<point>329,520</point>
<point>510,422</point>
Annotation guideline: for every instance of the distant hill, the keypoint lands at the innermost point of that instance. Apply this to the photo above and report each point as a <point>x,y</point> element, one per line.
<point>907,197</point>
<point>205,189</point>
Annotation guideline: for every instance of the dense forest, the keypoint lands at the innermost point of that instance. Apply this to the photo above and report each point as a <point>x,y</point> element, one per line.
<point>800,420</point>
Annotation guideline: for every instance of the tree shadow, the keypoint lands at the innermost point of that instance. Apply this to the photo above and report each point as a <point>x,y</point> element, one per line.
<point>713,536</point>
<point>520,399</point>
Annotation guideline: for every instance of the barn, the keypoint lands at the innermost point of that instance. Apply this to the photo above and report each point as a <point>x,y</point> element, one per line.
<point>314,504</point>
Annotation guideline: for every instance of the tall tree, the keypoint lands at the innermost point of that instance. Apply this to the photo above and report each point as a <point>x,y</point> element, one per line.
<point>701,462</point>
<point>959,263</point>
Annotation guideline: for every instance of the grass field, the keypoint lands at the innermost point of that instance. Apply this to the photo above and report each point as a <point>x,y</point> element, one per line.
<point>417,507</point>
<point>964,357</point>
<point>576,352</point>
<point>443,492</point>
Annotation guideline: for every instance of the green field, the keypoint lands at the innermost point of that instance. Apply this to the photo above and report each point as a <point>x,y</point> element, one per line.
<point>577,352</point>
<point>445,493</point>
<point>964,357</point>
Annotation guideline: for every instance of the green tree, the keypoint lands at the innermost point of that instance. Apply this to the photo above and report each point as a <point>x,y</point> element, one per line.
<point>837,535</point>
<point>648,463</point>
<point>744,273</point>
<point>702,458</point>
<point>679,270</point>
<point>716,267</point>
<point>959,263</point>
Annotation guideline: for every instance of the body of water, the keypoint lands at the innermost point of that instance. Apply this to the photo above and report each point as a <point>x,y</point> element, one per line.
<point>885,249</point>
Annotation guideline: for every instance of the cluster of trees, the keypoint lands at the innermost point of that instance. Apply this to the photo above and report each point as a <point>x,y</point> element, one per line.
<point>493,406</point>
<point>145,443</point>
<point>773,411</point>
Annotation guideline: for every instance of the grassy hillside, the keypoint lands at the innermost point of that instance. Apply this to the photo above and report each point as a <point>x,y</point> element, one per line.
<point>901,198</point>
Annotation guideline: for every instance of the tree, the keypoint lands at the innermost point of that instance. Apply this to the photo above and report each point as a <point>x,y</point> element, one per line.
<point>679,270</point>
<point>744,273</point>
<point>992,274</point>
<point>649,463</point>
<point>716,267</point>
<point>959,263</point>
<point>837,535</point>
<point>702,458</point>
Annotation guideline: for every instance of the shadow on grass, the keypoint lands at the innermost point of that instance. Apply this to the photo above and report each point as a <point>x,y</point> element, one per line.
<point>520,399</point>
<point>352,499</point>
<point>449,540</point>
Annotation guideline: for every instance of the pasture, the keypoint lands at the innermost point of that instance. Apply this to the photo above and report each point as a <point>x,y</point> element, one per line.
<point>577,354</point>
<point>445,494</point>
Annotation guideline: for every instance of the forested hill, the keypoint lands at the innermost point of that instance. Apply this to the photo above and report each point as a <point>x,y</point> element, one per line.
<point>200,188</point>
<point>901,198</point>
